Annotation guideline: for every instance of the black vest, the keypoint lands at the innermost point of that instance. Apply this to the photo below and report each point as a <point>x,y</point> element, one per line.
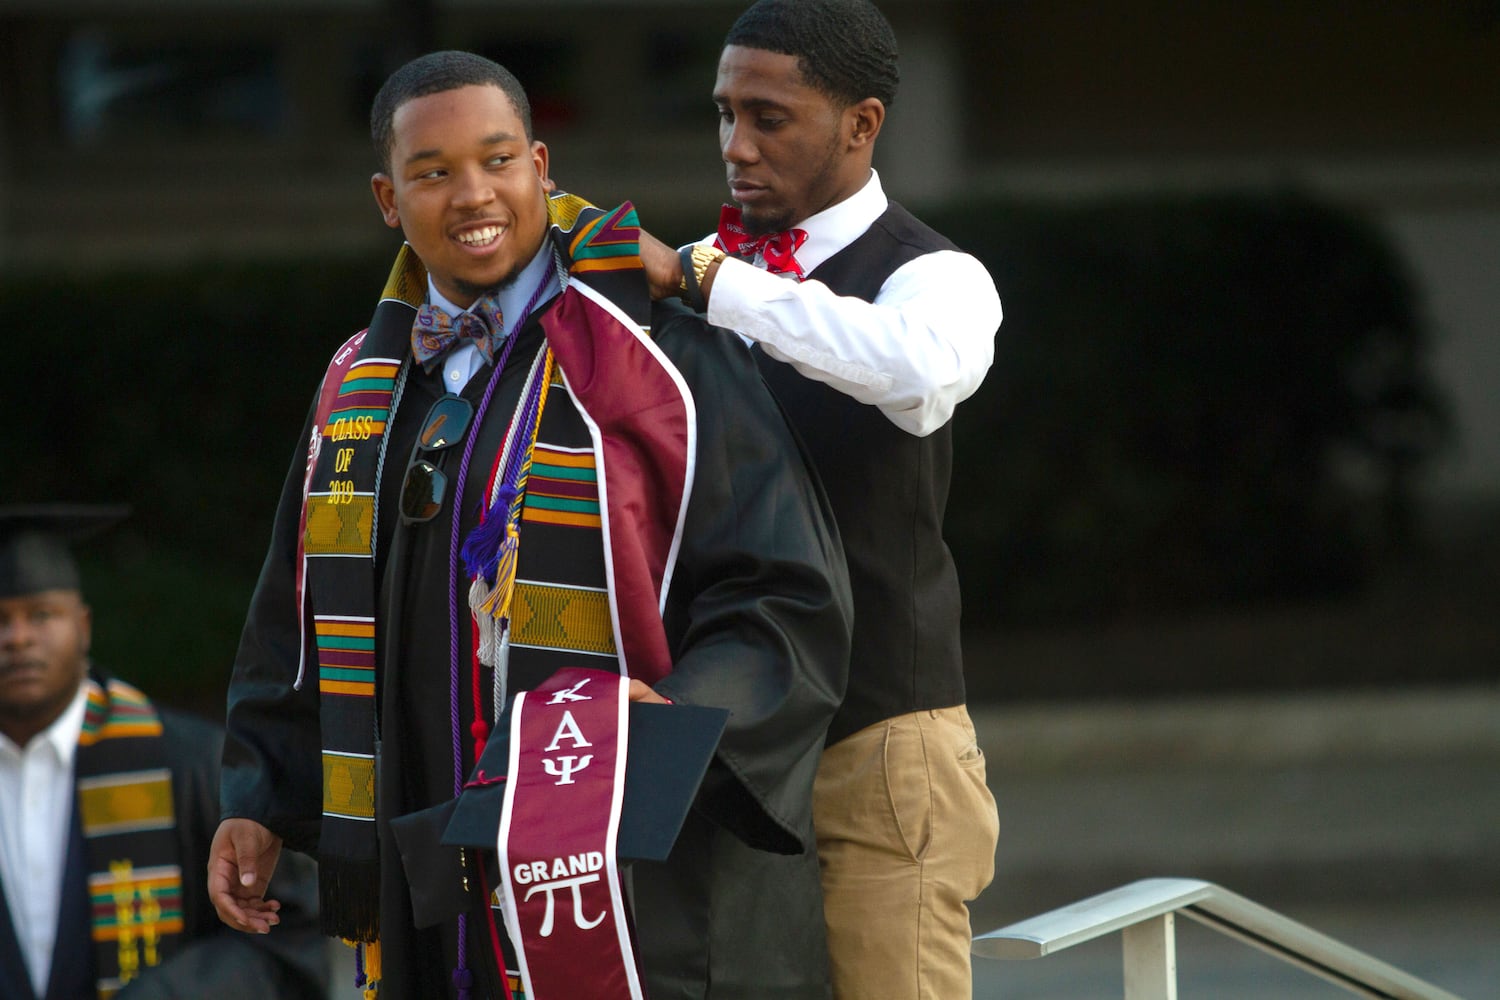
<point>888,489</point>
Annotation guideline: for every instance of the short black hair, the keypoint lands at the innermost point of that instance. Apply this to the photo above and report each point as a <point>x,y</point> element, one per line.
<point>844,48</point>
<point>435,73</point>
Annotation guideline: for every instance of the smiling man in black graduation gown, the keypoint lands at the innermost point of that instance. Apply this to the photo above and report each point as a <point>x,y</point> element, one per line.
<point>628,497</point>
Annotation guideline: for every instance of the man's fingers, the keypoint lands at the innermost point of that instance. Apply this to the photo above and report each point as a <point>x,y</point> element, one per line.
<point>640,691</point>
<point>241,862</point>
<point>248,851</point>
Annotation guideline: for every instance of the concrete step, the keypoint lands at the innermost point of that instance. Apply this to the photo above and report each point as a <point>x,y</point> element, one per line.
<point>1312,798</point>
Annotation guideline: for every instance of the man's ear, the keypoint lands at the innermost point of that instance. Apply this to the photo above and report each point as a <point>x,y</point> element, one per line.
<point>385,197</point>
<point>541,160</point>
<point>865,119</point>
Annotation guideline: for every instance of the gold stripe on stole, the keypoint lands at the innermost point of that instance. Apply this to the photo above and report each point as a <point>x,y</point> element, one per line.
<point>349,785</point>
<point>555,617</point>
<point>339,525</point>
<point>127,802</point>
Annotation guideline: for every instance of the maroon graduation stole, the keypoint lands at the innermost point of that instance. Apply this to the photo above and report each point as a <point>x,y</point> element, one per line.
<point>125,808</point>
<point>564,906</point>
<point>643,420</point>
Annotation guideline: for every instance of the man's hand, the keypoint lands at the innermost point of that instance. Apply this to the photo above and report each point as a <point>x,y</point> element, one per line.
<point>641,691</point>
<point>240,864</point>
<point>663,267</point>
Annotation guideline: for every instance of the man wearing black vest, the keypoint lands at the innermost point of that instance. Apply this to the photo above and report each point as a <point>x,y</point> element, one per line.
<point>107,804</point>
<point>883,327</point>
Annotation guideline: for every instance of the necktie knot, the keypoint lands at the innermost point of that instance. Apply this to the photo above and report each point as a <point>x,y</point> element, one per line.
<point>779,250</point>
<point>434,333</point>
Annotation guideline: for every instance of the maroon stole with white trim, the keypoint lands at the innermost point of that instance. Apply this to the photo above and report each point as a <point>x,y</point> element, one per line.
<point>565,909</point>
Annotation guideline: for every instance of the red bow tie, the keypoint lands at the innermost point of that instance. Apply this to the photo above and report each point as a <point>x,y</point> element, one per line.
<point>778,249</point>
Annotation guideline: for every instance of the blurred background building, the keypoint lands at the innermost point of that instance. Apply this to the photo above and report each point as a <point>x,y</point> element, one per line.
<point>158,131</point>
<point>143,140</point>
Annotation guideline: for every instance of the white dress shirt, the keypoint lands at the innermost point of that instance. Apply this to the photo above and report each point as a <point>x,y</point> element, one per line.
<point>461,363</point>
<point>36,810</point>
<point>922,347</point>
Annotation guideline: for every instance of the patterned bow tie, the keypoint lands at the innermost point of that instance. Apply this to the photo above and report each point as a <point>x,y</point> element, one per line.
<point>435,332</point>
<point>778,249</point>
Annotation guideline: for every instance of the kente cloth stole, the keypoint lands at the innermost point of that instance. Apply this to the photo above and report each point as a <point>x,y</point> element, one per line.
<point>125,808</point>
<point>643,421</point>
<point>564,906</point>
<point>336,595</point>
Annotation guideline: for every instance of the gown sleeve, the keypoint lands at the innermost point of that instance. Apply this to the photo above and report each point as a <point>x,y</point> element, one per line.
<point>759,611</point>
<point>272,771</point>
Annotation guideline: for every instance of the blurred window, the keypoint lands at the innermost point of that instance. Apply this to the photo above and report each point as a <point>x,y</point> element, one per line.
<point>111,87</point>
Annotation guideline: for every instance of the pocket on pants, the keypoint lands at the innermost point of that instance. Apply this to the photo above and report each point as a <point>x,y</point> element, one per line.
<point>908,784</point>
<point>963,805</point>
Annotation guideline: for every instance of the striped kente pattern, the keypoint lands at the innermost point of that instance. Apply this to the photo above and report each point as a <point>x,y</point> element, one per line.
<point>346,655</point>
<point>610,242</point>
<point>137,904</point>
<point>363,402</point>
<point>129,715</point>
<point>563,488</point>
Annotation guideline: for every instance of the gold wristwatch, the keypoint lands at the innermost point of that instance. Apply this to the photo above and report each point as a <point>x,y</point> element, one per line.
<point>696,260</point>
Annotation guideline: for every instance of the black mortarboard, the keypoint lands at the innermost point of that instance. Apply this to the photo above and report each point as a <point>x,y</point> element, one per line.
<point>35,539</point>
<point>667,752</point>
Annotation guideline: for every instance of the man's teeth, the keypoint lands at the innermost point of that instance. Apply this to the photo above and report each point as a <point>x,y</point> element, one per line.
<point>479,237</point>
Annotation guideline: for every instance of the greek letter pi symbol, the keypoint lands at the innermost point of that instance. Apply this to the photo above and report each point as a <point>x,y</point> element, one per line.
<point>579,920</point>
<point>564,771</point>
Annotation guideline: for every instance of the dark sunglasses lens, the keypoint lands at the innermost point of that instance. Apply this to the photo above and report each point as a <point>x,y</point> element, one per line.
<point>422,492</point>
<point>446,423</point>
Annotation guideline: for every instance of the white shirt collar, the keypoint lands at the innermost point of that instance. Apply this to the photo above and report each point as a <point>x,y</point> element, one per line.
<point>62,734</point>
<point>834,228</point>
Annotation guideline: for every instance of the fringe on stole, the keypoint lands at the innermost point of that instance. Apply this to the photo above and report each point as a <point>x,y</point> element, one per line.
<point>349,898</point>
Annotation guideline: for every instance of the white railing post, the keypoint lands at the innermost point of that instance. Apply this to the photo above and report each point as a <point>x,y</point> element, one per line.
<point>1144,912</point>
<point>1151,959</point>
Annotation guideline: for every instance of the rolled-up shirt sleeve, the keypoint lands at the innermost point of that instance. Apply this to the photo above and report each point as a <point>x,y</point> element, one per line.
<point>922,347</point>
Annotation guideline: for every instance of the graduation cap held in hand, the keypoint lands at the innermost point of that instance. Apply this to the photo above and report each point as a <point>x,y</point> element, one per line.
<point>669,748</point>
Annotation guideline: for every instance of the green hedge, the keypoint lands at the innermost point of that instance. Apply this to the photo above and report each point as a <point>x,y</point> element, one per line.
<point>1195,400</point>
<point>1202,399</point>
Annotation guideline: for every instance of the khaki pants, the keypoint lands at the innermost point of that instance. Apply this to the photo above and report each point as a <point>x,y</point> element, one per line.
<point>906,831</point>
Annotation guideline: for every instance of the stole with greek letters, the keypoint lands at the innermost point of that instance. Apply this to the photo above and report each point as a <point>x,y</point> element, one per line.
<point>565,909</point>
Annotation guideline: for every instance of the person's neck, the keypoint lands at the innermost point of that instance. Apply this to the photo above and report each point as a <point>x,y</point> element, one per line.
<point>508,292</point>
<point>22,730</point>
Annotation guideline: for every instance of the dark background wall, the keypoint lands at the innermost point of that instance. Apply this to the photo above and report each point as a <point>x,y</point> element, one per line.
<point>1238,435</point>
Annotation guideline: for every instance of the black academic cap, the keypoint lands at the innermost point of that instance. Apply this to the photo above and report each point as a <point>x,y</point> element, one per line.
<point>35,540</point>
<point>667,754</point>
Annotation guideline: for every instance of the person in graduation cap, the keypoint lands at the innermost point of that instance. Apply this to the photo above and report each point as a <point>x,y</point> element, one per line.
<point>107,806</point>
<point>524,465</point>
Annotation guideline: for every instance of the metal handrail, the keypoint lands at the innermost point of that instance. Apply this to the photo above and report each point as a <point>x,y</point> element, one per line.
<point>1143,911</point>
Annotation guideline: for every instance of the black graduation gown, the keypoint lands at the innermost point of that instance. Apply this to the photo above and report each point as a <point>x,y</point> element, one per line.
<point>212,959</point>
<point>758,619</point>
